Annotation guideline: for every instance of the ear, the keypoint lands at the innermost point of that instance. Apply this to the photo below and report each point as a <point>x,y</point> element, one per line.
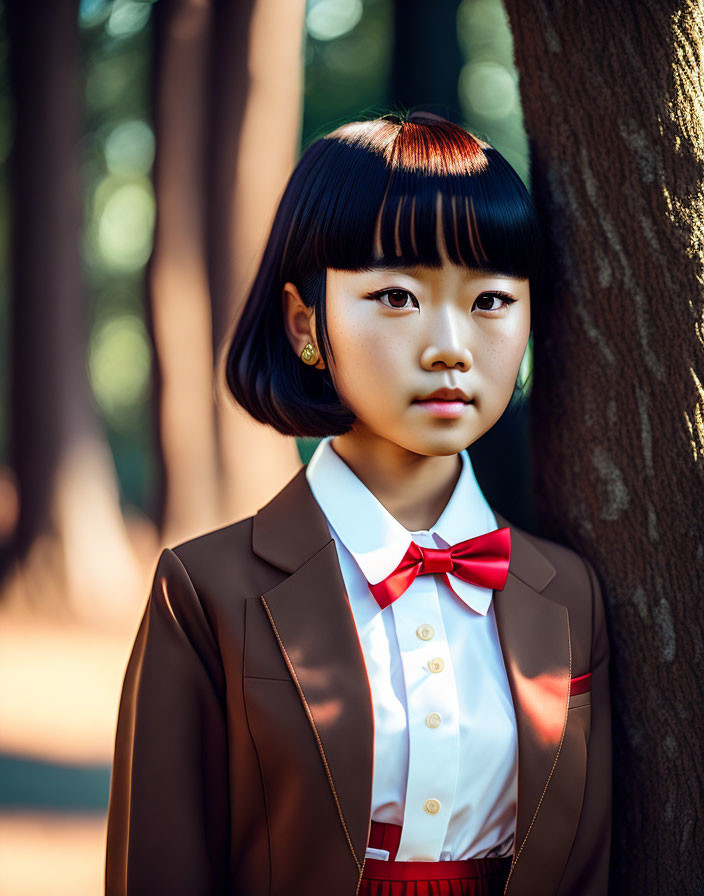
<point>299,321</point>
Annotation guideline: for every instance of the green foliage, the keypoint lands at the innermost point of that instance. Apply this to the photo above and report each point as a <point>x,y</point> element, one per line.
<point>117,156</point>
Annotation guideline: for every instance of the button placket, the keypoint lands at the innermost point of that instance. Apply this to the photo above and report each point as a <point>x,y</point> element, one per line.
<point>433,723</point>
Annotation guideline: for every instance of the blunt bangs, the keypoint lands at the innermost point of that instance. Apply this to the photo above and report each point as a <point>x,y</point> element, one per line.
<point>383,193</point>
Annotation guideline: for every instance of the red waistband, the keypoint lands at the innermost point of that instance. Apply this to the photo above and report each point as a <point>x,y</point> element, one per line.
<point>388,836</point>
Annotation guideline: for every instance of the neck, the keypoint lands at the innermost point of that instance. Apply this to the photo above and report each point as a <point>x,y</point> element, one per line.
<point>414,488</point>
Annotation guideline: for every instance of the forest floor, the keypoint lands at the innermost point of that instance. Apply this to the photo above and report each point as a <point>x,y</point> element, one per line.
<point>59,694</point>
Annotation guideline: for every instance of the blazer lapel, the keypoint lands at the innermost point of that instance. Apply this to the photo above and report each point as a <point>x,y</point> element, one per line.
<point>291,533</point>
<point>535,640</point>
<point>329,672</point>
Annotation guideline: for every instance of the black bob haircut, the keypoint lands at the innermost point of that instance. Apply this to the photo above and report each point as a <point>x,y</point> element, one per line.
<point>372,187</point>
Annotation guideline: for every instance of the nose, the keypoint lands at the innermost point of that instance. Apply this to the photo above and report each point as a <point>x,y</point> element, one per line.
<point>445,346</point>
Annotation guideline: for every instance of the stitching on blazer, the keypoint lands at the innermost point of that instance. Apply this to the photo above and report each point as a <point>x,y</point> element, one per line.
<point>265,678</point>
<point>361,875</point>
<point>557,756</point>
<point>315,731</point>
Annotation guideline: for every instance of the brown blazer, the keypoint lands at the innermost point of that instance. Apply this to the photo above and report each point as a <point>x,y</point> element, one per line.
<point>244,746</point>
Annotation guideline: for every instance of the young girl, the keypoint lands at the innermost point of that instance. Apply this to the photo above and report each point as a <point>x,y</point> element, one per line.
<point>377,684</point>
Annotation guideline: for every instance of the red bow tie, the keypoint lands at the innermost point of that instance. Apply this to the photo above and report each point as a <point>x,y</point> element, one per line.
<point>482,560</point>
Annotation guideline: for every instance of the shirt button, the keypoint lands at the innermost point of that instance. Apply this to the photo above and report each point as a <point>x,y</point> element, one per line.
<point>432,807</point>
<point>425,632</point>
<point>433,719</point>
<point>445,856</point>
<point>436,665</point>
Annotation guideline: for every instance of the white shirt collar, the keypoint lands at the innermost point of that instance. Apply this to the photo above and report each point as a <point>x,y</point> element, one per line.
<point>376,540</point>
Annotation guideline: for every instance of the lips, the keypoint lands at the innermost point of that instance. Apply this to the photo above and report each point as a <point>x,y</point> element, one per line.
<point>449,395</point>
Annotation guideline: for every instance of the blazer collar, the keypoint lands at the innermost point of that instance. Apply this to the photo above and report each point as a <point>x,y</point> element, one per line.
<point>291,533</point>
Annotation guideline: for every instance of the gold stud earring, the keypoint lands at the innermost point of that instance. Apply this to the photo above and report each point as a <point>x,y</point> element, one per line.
<point>309,355</point>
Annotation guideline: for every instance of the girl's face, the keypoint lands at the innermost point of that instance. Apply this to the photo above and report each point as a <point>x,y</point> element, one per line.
<point>398,335</point>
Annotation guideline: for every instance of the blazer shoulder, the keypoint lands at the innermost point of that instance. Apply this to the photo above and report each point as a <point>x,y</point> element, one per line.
<point>235,536</point>
<point>222,565</point>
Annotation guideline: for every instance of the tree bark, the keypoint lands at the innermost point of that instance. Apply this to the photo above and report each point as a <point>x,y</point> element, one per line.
<point>612,96</point>
<point>70,546</point>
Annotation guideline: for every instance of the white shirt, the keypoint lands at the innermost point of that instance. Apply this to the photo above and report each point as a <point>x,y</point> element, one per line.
<point>445,738</point>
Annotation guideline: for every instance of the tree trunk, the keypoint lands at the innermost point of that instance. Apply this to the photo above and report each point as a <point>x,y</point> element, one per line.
<point>256,96</point>
<point>179,307</point>
<point>70,544</point>
<point>612,96</point>
<point>426,56</point>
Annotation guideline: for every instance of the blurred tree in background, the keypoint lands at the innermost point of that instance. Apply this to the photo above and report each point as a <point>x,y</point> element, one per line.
<point>227,130</point>
<point>70,538</point>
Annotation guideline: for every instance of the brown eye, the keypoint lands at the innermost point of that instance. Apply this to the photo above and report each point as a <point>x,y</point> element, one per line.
<point>491,297</point>
<point>397,298</point>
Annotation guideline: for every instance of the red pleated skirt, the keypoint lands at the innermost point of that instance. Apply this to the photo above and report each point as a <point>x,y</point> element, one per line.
<point>470,877</point>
